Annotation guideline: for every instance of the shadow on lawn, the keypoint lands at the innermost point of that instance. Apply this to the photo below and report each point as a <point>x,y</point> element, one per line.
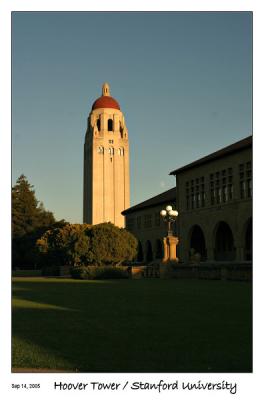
<point>133,326</point>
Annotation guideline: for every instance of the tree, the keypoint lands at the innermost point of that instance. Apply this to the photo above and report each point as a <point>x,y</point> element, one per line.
<point>66,245</point>
<point>29,221</point>
<point>82,244</point>
<point>24,208</point>
<point>110,245</point>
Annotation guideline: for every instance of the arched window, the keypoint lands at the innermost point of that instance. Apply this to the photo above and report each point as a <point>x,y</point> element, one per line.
<point>121,130</point>
<point>111,150</point>
<point>98,123</point>
<point>110,125</point>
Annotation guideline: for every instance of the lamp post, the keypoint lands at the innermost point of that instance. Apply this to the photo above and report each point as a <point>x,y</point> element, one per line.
<point>169,215</point>
<point>170,241</point>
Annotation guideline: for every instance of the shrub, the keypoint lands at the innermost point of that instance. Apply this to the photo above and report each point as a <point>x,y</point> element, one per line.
<point>26,273</point>
<point>94,272</point>
<point>50,270</point>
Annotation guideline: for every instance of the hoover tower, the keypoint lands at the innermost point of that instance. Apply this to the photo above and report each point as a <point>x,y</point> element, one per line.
<point>106,163</point>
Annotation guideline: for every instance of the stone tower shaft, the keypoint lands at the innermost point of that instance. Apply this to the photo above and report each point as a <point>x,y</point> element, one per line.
<point>106,163</point>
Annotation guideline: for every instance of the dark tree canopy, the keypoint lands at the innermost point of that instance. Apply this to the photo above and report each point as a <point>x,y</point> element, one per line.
<point>29,221</point>
<point>27,212</point>
<point>82,244</point>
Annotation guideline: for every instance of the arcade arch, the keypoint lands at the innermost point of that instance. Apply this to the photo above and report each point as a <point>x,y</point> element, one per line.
<point>224,243</point>
<point>159,249</point>
<point>149,252</point>
<point>197,241</point>
<point>140,254</point>
<point>248,240</point>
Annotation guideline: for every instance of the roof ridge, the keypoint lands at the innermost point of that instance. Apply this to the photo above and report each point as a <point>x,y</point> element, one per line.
<point>155,200</point>
<point>236,146</point>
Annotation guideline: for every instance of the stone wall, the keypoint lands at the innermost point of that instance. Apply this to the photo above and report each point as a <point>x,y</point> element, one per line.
<point>214,271</point>
<point>223,271</point>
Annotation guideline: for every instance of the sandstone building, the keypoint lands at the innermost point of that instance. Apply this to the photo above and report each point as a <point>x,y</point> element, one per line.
<point>144,221</point>
<point>214,199</point>
<point>106,163</point>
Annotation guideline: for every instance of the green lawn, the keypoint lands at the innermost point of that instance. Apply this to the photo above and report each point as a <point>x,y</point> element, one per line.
<point>150,325</point>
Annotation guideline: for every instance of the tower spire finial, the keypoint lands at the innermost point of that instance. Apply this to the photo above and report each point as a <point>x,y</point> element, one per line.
<point>106,89</point>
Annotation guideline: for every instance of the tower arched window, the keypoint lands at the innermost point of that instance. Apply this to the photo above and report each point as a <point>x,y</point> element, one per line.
<point>110,124</point>
<point>98,123</point>
<point>111,151</point>
<point>100,150</point>
<point>121,130</point>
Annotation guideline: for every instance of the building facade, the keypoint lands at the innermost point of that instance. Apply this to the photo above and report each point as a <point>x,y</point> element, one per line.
<point>214,201</point>
<point>106,163</point>
<point>144,221</point>
<point>213,196</point>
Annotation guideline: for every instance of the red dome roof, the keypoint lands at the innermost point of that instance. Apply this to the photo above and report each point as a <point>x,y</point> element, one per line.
<point>105,102</point>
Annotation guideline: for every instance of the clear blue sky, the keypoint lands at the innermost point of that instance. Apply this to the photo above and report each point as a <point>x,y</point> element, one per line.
<point>183,81</point>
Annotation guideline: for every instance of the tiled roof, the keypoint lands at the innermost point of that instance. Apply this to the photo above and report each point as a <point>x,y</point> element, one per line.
<point>242,144</point>
<point>168,196</point>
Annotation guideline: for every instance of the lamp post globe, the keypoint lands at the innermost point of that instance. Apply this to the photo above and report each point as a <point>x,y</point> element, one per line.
<point>169,215</point>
